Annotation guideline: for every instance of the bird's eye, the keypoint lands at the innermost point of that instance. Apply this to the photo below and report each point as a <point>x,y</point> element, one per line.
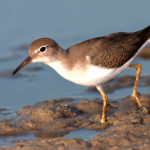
<point>42,49</point>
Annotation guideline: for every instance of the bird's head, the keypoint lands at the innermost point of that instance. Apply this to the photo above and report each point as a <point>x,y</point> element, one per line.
<point>42,50</point>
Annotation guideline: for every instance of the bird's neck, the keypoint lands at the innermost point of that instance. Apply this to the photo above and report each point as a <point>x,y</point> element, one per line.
<point>61,55</point>
<point>61,64</point>
<point>60,61</point>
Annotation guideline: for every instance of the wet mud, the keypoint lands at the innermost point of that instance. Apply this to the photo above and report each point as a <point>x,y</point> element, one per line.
<point>127,126</point>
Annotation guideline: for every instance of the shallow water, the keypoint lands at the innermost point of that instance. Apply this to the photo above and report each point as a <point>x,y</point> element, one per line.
<point>83,134</point>
<point>8,141</point>
<point>67,22</point>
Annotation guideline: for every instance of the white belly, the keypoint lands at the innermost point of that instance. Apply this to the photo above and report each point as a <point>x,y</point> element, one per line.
<point>92,76</point>
<point>89,76</point>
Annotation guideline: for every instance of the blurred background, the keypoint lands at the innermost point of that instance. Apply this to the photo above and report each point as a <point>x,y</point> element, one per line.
<point>67,22</point>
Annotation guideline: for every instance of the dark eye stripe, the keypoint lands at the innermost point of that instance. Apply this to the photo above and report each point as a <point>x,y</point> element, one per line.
<point>42,49</point>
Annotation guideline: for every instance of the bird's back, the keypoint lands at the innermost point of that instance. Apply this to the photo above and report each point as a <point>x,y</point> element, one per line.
<point>117,48</point>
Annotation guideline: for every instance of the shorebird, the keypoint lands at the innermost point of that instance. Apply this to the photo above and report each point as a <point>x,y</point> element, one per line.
<point>92,62</point>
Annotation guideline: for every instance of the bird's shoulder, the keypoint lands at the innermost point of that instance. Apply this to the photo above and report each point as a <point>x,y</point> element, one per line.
<point>99,43</point>
<point>108,51</point>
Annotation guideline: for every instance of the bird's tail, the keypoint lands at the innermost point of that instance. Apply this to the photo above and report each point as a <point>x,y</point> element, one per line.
<point>144,34</point>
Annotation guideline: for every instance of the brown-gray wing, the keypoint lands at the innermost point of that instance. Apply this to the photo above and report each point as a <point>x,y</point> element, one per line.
<point>113,50</point>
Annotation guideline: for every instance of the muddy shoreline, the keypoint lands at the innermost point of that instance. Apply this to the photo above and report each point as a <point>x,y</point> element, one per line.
<point>127,126</point>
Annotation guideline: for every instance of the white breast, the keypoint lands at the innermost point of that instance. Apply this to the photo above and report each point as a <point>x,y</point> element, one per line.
<point>89,76</point>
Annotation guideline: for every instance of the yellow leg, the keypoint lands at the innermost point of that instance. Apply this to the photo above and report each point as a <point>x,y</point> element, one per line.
<point>104,97</point>
<point>134,94</point>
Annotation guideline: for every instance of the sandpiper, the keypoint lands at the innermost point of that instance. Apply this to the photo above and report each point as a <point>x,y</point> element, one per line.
<point>92,62</point>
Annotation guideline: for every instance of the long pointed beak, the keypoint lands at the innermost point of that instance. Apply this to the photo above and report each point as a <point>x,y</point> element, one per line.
<point>28,60</point>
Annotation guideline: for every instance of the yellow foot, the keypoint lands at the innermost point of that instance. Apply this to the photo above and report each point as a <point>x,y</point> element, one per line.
<point>103,121</point>
<point>135,95</point>
<point>144,109</point>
